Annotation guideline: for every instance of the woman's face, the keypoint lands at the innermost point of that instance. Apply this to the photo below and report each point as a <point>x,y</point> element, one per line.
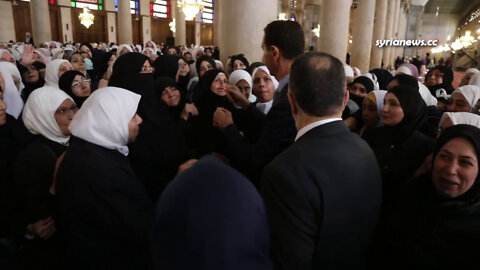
<point>31,75</point>
<point>358,89</point>
<point>64,67</point>
<point>204,67</point>
<point>78,63</point>
<point>134,128</point>
<point>147,53</point>
<point>38,58</point>
<point>6,57</point>
<point>455,168</point>
<point>64,115</point>
<point>171,96</point>
<point>392,111</point>
<point>86,51</point>
<point>123,51</point>
<point>183,66</point>
<point>458,104</point>
<point>146,68</point>
<point>263,87</point>
<point>238,64</point>
<point>81,86</point>
<point>369,114</point>
<point>435,78</point>
<point>244,87</point>
<point>149,45</point>
<point>218,85</point>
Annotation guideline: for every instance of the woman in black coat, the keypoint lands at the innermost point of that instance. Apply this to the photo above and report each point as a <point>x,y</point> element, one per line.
<point>76,85</point>
<point>157,152</point>
<point>399,147</point>
<point>437,225</point>
<point>105,212</point>
<point>46,114</point>
<point>213,95</point>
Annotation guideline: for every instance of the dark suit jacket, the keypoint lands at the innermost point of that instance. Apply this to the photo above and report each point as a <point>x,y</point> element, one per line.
<point>323,197</point>
<point>277,131</point>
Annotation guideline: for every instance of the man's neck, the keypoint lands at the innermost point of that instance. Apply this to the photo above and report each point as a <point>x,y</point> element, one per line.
<point>304,120</point>
<point>283,69</point>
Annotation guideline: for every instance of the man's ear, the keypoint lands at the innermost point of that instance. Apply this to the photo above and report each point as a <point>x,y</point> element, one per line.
<point>293,105</point>
<point>276,54</point>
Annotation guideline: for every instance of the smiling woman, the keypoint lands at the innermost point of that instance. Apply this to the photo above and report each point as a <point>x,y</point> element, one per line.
<point>437,224</point>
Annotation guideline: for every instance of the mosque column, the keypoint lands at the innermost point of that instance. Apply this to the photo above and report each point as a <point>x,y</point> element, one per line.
<point>181,28</point>
<point>125,35</point>
<point>198,30</point>
<point>217,33</point>
<point>362,35</point>
<point>388,32</point>
<point>401,31</point>
<point>393,51</point>
<point>40,21</point>
<point>334,24</point>
<point>243,34</point>
<point>378,33</point>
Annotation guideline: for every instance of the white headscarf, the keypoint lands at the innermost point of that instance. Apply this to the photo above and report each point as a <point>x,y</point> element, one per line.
<point>374,80</point>
<point>154,46</point>
<point>470,92</point>
<point>57,53</point>
<point>46,58</point>
<point>148,49</point>
<point>348,70</point>
<point>459,118</point>
<point>51,72</point>
<point>475,79</point>
<point>120,48</point>
<point>219,64</point>
<point>264,68</point>
<point>39,113</point>
<point>104,117</point>
<point>239,75</point>
<point>2,51</point>
<point>15,73</point>
<point>11,95</point>
<point>427,96</point>
<point>379,98</point>
<point>403,69</point>
<point>472,70</point>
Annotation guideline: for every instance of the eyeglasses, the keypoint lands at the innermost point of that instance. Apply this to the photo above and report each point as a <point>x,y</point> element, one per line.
<point>78,84</point>
<point>147,69</point>
<point>65,110</point>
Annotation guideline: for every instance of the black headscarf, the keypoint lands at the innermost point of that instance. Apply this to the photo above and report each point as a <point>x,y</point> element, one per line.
<point>211,217</point>
<point>65,83</point>
<point>384,76</point>
<point>101,64</point>
<point>30,87</point>
<point>166,65</point>
<point>240,57</point>
<point>414,110</point>
<point>471,134</point>
<point>160,85</point>
<point>156,153</point>
<point>204,58</point>
<point>366,82</point>
<point>404,79</point>
<point>447,80</point>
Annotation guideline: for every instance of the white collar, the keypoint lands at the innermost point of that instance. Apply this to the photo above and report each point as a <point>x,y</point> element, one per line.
<point>313,125</point>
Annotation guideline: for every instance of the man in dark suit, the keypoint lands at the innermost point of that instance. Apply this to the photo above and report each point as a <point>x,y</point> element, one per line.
<point>323,193</point>
<point>283,41</point>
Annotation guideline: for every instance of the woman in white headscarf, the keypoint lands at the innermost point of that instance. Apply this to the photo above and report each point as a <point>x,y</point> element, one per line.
<point>469,73</point>
<point>464,99</point>
<point>17,78</point>
<point>99,195</point>
<point>457,118</point>
<point>372,110</point>
<point>11,95</point>
<point>6,56</point>
<point>55,70</point>
<point>123,49</point>
<point>150,44</point>
<point>47,114</point>
<point>243,81</point>
<point>264,85</point>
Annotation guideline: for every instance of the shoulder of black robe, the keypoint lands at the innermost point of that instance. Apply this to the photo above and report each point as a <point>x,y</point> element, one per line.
<point>211,217</point>
<point>101,64</point>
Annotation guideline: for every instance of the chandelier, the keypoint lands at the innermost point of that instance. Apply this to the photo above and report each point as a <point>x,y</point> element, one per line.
<point>190,8</point>
<point>172,25</point>
<point>86,18</point>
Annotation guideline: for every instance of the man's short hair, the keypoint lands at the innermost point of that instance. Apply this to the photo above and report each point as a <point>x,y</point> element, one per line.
<point>317,81</point>
<point>287,36</point>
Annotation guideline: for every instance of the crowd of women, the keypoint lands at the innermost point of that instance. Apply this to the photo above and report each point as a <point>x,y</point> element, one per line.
<point>91,137</point>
